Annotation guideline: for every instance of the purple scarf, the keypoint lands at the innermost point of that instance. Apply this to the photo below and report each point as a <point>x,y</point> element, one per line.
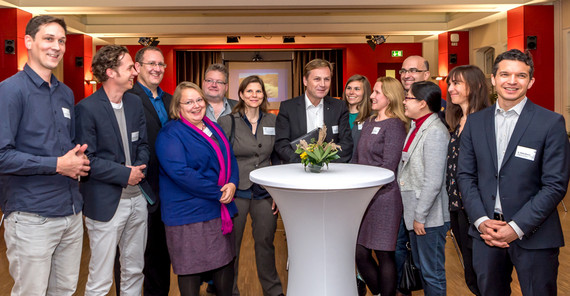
<point>225,172</point>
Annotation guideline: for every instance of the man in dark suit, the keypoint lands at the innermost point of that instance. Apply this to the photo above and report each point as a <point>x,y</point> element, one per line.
<point>149,63</point>
<point>302,114</point>
<point>514,164</point>
<point>115,192</point>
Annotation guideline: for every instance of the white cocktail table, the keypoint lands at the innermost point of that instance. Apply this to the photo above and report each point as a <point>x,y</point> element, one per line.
<point>321,213</point>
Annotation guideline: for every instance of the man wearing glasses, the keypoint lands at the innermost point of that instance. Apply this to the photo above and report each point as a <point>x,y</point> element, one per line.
<point>149,63</point>
<point>215,86</point>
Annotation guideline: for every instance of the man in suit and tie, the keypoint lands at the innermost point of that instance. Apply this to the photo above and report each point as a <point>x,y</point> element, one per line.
<point>302,114</point>
<point>149,63</point>
<point>112,122</point>
<point>514,164</point>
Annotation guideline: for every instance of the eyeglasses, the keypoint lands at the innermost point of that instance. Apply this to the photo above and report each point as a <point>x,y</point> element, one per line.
<point>410,98</point>
<point>411,70</point>
<point>218,82</point>
<point>191,103</point>
<point>154,65</point>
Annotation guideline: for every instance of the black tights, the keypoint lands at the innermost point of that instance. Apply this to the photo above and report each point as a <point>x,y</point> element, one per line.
<point>380,277</point>
<point>189,284</point>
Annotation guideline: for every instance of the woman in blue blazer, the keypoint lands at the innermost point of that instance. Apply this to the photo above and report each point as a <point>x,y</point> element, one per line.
<point>198,179</point>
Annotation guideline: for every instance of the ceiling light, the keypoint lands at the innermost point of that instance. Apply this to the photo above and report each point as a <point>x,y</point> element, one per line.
<point>374,40</point>
<point>232,39</point>
<point>148,41</point>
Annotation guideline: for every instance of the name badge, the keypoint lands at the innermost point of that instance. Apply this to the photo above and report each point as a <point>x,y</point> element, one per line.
<point>360,125</point>
<point>375,130</point>
<point>525,153</point>
<point>207,132</point>
<point>335,129</point>
<point>134,136</point>
<point>268,131</point>
<point>66,113</point>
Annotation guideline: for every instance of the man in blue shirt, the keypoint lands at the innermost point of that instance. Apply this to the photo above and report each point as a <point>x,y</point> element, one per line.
<point>149,63</point>
<point>39,168</point>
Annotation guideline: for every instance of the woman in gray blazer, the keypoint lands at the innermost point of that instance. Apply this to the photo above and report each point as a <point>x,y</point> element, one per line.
<point>421,176</point>
<point>251,131</point>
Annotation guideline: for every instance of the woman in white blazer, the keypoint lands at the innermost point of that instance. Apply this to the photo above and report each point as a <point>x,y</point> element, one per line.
<point>421,177</point>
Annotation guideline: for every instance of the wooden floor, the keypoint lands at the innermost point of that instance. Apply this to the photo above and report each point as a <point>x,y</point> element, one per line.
<point>249,284</point>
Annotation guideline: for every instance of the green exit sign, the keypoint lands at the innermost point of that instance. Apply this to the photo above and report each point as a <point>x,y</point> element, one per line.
<point>397,53</point>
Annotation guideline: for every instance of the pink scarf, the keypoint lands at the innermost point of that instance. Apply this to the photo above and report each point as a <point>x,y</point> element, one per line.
<point>225,172</point>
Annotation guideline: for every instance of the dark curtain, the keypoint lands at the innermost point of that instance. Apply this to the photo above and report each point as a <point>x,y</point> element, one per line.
<point>302,57</point>
<point>191,65</point>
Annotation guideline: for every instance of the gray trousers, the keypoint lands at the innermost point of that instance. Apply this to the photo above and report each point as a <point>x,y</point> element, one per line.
<point>263,226</point>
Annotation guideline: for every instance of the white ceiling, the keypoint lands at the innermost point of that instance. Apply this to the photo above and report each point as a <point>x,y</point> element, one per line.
<point>208,22</point>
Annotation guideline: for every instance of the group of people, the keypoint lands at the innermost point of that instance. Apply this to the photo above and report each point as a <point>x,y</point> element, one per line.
<point>164,179</point>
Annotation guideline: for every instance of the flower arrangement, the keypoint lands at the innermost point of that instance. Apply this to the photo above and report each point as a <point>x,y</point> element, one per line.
<point>317,154</point>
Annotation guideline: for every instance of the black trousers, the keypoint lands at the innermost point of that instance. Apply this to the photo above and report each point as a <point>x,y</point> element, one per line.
<point>460,228</point>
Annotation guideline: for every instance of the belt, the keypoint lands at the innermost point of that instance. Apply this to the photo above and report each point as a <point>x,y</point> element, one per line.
<point>499,217</point>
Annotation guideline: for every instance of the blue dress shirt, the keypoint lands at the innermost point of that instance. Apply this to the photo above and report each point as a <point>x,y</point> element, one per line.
<point>157,103</point>
<point>37,126</point>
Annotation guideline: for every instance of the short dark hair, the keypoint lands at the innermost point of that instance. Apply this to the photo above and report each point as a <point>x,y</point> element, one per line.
<point>515,55</point>
<point>140,54</point>
<point>240,106</point>
<point>429,92</point>
<point>108,57</point>
<point>219,68</point>
<point>36,22</point>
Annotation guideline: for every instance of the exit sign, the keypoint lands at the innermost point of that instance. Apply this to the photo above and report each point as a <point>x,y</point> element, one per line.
<point>397,53</point>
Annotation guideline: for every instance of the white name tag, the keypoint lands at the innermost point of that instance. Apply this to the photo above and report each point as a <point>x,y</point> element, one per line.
<point>405,156</point>
<point>134,136</point>
<point>375,130</point>
<point>268,131</point>
<point>525,153</point>
<point>66,113</point>
<point>335,129</point>
<point>360,125</point>
<point>207,132</point>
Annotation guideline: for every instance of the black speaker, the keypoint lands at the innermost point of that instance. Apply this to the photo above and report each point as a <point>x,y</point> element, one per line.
<point>531,42</point>
<point>10,46</point>
<point>453,58</point>
<point>78,61</point>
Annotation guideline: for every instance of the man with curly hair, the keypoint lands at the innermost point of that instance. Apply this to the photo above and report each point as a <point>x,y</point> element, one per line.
<point>112,123</point>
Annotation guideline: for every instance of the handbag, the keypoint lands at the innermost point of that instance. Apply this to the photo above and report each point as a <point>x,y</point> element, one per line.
<point>411,276</point>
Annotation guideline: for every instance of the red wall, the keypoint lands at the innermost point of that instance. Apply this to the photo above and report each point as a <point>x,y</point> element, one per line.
<point>78,45</point>
<point>13,28</point>
<point>536,20</point>
<point>446,48</point>
<point>358,58</point>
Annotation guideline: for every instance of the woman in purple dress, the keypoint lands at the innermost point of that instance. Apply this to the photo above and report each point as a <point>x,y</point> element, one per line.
<point>380,144</point>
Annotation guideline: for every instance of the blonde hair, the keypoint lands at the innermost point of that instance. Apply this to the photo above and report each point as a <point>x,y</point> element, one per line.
<point>174,111</point>
<point>394,92</point>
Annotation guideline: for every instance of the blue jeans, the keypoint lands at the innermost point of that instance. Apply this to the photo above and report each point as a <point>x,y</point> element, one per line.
<point>428,252</point>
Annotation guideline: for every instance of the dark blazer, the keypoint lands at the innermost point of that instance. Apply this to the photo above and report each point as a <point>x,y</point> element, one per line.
<point>529,190</point>
<point>153,126</point>
<point>291,123</point>
<point>96,126</point>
